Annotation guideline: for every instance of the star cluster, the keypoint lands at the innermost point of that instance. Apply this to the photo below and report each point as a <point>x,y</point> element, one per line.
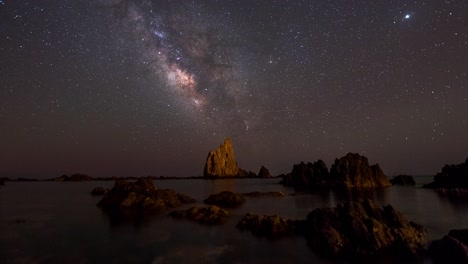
<point>120,87</point>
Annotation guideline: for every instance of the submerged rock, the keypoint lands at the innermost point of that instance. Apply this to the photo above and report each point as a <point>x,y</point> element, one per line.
<point>264,173</point>
<point>141,195</point>
<point>360,229</point>
<point>451,177</point>
<point>99,191</point>
<point>452,248</point>
<point>221,162</point>
<point>211,215</point>
<point>406,180</point>
<point>267,226</point>
<point>226,199</point>
<point>264,194</point>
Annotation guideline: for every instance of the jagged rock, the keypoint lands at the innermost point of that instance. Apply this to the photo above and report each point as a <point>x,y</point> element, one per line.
<point>226,199</point>
<point>406,180</point>
<point>81,177</point>
<point>267,226</point>
<point>264,194</point>
<point>361,229</point>
<point>353,171</point>
<point>264,173</point>
<point>452,176</point>
<point>221,162</point>
<point>141,196</point>
<point>310,175</point>
<point>99,191</point>
<point>452,248</point>
<point>211,215</point>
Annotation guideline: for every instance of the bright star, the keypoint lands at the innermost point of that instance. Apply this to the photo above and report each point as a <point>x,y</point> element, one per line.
<point>407,16</point>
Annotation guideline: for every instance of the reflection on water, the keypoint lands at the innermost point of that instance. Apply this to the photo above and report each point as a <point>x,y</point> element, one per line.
<point>60,222</point>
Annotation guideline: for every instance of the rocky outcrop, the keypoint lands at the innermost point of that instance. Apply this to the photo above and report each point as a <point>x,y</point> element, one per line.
<point>452,248</point>
<point>221,162</point>
<point>451,176</point>
<point>353,171</point>
<point>350,171</point>
<point>405,180</point>
<point>99,191</point>
<point>264,173</point>
<point>308,176</point>
<point>142,196</point>
<point>75,178</point>
<point>271,227</point>
<point>226,199</point>
<point>361,229</point>
<point>211,215</point>
<point>264,194</point>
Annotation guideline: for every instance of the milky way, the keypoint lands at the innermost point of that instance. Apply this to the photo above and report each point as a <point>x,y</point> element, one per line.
<point>194,62</point>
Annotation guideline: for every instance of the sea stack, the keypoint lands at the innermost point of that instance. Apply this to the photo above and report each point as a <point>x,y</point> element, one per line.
<point>221,162</point>
<point>353,171</point>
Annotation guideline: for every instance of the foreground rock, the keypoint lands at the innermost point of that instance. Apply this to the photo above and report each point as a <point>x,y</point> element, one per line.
<point>350,171</point>
<point>451,177</point>
<point>405,180</point>
<point>221,162</point>
<point>361,229</point>
<point>264,173</point>
<point>99,191</point>
<point>211,215</point>
<point>226,199</point>
<point>452,248</point>
<point>141,196</point>
<point>271,227</point>
<point>264,194</point>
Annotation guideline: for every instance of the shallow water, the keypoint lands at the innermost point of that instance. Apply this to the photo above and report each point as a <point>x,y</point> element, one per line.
<point>58,222</point>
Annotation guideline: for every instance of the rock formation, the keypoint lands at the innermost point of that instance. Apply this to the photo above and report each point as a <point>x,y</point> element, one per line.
<point>360,229</point>
<point>99,191</point>
<point>452,248</point>
<point>268,226</point>
<point>353,171</point>
<point>306,176</point>
<point>350,171</point>
<point>141,196</point>
<point>452,176</point>
<point>221,162</point>
<point>226,199</point>
<point>211,215</point>
<point>405,180</point>
<point>264,173</point>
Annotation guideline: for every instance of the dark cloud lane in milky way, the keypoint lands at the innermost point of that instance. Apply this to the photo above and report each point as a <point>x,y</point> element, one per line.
<point>120,87</point>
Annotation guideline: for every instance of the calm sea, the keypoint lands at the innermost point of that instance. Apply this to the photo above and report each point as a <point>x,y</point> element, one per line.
<point>58,222</point>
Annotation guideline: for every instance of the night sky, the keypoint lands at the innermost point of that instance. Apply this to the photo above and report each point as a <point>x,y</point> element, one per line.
<point>136,88</point>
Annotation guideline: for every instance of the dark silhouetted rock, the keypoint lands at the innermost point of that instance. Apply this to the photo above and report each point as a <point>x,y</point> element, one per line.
<point>353,171</point>
<point>452,248</point>
<point>61,178</point>
<point>2,182</point>
<point>267,226</point>
<point>226,199</point>
<point>361,229</point>
<point>99,191</point>
<point>81,177</point>
<point>451,177</point>
<point>405,180</point>
<point>308,176</point>
<point>141,196</point>
<point>211,215</point>
<point>264,173</point>
<point>264,194</point>
<point>221,162</point>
